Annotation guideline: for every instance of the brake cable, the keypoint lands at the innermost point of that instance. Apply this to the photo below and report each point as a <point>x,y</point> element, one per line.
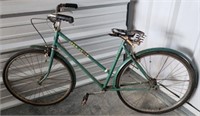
<point>37,29</point>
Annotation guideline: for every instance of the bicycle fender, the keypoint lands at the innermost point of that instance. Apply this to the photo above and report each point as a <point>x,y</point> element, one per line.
<point>119,69</point>
<point>70,67</point>
<point>138,54</point>
<point>165,50</point>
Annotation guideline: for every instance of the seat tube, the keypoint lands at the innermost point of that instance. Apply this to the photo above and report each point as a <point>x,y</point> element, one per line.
<point>136,63</point>
<point>113,65</point>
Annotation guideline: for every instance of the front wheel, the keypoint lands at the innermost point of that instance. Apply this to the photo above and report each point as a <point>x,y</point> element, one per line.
<point>171,82</point>
<point>23,71</point>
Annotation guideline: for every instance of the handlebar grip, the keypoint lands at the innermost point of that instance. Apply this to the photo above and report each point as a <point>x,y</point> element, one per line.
<point>70,5</point>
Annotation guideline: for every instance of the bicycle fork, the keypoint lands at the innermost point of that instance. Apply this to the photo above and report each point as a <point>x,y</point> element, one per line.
<point>54,47</point>
<point>49,66</point>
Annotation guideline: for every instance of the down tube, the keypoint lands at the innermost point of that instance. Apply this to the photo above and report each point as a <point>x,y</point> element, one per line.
<point>81,66</point>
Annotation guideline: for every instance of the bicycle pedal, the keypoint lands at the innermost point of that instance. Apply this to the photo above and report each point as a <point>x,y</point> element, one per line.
<point>85,98</point>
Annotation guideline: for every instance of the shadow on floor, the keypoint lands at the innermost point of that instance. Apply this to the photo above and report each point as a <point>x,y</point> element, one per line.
<point>102,104</point>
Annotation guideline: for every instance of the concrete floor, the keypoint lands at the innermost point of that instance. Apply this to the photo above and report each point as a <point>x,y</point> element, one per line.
<point>102,104</point>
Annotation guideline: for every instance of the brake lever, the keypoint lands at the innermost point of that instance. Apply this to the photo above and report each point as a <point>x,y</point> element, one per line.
<point>62,9</point>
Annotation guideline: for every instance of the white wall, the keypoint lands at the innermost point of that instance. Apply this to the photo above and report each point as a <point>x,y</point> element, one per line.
<point>174,24</point>
<point>195,100</point>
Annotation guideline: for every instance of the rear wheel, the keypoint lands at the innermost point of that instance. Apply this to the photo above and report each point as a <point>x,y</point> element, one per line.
<point>171,84</point>
<point>23,71</point>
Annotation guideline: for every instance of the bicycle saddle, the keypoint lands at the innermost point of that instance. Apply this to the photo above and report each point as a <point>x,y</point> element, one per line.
<point>122,32</point>
<point>132,37</point>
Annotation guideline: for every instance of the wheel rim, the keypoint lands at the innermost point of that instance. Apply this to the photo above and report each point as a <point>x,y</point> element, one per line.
<point>24,72</point>
<point>169,88</point>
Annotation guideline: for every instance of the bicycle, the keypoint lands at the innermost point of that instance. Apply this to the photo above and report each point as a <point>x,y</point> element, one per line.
<point>154,80</point>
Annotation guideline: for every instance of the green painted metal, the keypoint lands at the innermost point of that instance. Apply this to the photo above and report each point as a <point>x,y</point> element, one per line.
<point>110,73</point>
<point>51,57</point>
<point>92,59</point>
<point>132,56</point>
<point>82,51</point>
<point>113,65</point>
<point>118,70</point>
<point>80,65</point>
<point>163,49</point>
<point>127,89</point>
<point>70,67</point>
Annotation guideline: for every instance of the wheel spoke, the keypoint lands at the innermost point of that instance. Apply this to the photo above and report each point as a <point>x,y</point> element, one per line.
<point>27,67</point>
<point>170,85</point>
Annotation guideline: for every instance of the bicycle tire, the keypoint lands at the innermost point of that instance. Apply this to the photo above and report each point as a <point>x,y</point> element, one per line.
<point>157,96</point>
<point>23,71</point>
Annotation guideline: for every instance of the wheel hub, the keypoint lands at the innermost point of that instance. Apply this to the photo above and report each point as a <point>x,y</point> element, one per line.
<point>153,83</point>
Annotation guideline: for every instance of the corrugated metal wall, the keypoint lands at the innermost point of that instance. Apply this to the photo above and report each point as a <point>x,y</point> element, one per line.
<point>93,21</point>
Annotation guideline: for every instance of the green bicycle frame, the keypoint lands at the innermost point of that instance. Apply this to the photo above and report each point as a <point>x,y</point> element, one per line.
<point>56,45</point>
